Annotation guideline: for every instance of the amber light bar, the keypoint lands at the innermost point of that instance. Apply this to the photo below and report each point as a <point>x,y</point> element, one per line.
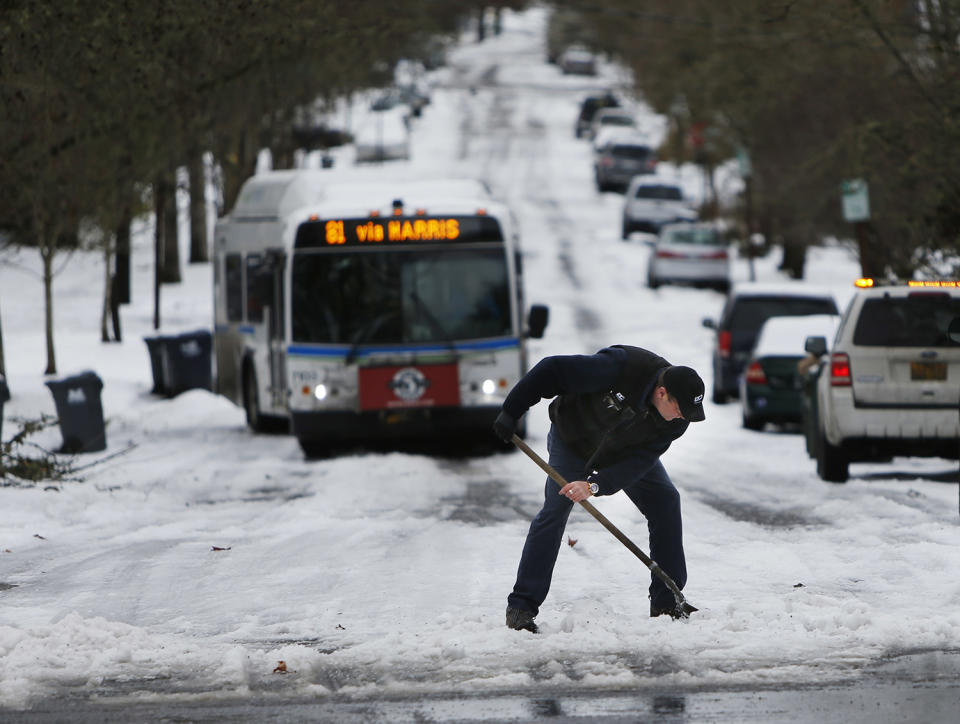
<point>866,283</point>
<point>933,283</point>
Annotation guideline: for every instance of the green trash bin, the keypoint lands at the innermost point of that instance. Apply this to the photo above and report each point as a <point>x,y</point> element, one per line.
<point>156,347</point>
<point>80,411</point>
<point>187,362</point>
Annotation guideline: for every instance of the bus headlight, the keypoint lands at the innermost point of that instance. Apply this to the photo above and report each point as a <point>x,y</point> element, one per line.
<point>488,387</point>
<point>320,391</point>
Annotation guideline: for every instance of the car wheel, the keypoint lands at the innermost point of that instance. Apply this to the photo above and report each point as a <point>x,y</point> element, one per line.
<point>752,422</point>
<point>625,232</point>
<point>653,282</point>
<point>719,397</point>
<point>832,465</point>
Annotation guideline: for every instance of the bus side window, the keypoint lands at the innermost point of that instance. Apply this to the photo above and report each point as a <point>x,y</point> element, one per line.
<point>234,278</point>
<point>255,288</point>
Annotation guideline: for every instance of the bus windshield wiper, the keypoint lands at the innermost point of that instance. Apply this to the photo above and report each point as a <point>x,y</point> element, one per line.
<point>434,323</point>
<point>366,332</point>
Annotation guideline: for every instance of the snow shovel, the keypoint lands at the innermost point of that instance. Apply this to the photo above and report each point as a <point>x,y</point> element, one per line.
<point>631,546</point>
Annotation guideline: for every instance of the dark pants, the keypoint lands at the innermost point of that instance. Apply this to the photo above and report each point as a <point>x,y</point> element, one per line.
<point>653,494</point>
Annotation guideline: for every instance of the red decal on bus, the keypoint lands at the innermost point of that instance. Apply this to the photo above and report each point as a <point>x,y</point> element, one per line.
<point>392,387</point>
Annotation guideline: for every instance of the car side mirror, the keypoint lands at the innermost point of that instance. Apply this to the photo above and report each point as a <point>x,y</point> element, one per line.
<point>709,323</point>
<point>537,320</point>
<point>817,346</point>
<point>953,331</point>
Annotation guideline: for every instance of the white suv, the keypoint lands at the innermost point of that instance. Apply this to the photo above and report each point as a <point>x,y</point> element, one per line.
<point>892,384</point>
<point>650,202</point>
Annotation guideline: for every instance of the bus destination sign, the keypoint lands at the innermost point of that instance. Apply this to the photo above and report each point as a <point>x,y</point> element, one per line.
<point>398,230</point>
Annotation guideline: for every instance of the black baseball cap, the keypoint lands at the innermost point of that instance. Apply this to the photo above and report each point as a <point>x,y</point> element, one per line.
<point>685,385</point>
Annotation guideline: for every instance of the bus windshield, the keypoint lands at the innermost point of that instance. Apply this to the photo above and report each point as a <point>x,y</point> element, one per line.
<point>404,296</point>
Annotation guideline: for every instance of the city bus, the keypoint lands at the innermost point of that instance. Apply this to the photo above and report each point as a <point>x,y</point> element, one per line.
<point>356,309</point>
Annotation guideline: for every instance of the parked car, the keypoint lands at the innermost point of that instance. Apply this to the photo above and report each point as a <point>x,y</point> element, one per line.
<point>650,202</point>
<point>611,118</point>
<point>692,253</point>
<point>747,307</point>
<point>620,159</point>
<point>608,134</point>
<point>771,388</point>
<point>383,137</point>
<point>386,100</point>
<point>578,61</point>
<point>588,108</point>
<point>890,384</point>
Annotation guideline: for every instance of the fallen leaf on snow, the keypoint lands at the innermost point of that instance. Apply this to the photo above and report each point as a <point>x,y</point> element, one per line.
<point>281,668</point>
<point>571,541</point>
<point>218,548</point>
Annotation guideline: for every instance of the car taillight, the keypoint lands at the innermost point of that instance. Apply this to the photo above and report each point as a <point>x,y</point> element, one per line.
<point>755,374</point>
<point>717,255</point>
<point>839,370</point>
<point>724,340</point>
<point>664,254</point>
<point>606,161</point>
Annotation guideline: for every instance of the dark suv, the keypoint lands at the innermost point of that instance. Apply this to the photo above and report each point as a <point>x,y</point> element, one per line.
<point>588,109</point>
<point>748,306</point>
<point>619,160</point>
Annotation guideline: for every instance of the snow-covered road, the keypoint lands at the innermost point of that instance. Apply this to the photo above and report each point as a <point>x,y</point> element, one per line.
<point>376,573</point>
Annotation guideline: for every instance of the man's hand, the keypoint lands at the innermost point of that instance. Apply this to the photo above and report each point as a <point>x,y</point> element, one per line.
<point>505,426</point>
<point>577,490</point>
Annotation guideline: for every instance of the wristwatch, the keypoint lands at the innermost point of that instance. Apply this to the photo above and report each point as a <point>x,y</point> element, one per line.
<point>594,488</point>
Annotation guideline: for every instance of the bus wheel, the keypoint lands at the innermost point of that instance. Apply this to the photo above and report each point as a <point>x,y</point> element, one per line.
<point>314,450</point>
<point>251,399</point>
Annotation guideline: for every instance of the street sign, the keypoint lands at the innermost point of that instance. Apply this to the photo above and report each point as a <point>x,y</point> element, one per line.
<point>743,161</point>
<point>856,200</point>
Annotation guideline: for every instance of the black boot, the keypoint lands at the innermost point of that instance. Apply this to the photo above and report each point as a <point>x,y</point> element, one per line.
<point>521,620</point>
<point>673,611</point>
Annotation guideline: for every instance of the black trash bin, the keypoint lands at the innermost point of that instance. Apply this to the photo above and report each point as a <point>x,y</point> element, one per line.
<point>156,346</point>
<point>187,362</point>
<point>80,412</point>
<point>4,396</point>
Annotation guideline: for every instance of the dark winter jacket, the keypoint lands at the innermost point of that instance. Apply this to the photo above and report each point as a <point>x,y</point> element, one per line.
<point>603,409</point>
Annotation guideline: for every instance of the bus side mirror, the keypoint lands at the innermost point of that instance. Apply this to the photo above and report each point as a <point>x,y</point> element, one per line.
<point>537,320</point>
<point>817,346</point>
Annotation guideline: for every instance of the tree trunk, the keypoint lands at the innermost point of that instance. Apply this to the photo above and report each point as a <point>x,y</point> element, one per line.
<point>794,256</point>
<point>121,290</point>
<point>3,367</point>
<point>47,236</point>
<point>107,293</point>
<point>171,244</point>
<point>159,202</point>
<point>239,165</point>
<point>198,209</point>
<point>46,253</point>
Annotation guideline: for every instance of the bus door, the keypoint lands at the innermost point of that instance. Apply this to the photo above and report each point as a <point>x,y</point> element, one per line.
<point>270,288</point>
